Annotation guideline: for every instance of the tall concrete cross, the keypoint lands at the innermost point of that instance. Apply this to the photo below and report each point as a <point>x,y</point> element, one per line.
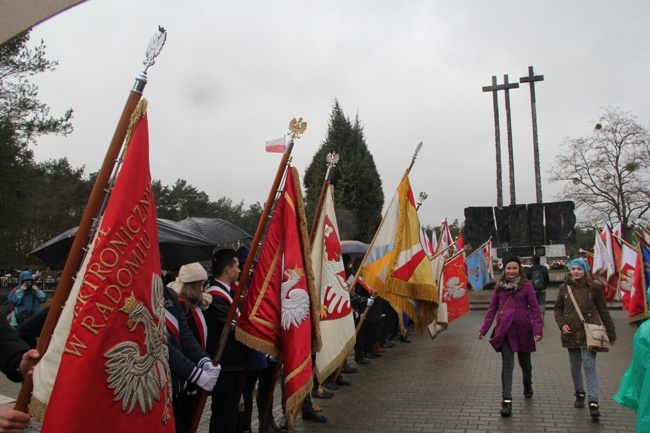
<point>532,78</point>
<point>494,88</point>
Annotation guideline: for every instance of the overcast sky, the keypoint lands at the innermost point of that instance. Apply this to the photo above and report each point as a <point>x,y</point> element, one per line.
<point>234,73</point>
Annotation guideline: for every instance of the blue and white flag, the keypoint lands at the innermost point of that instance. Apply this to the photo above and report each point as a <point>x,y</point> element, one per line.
<point>478,273</point>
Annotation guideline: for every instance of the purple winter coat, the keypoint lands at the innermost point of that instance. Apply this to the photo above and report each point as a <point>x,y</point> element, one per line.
<point>520,321</point>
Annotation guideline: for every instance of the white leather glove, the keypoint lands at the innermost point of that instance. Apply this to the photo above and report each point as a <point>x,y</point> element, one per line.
<point>370,302</point>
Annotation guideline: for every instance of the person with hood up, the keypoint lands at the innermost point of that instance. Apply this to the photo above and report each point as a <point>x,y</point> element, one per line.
<point>26,299</point>
<point>591,301</point>
<point>518,326</point>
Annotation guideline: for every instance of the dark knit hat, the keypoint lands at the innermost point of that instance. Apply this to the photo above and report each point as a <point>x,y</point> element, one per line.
<point>510,257</point>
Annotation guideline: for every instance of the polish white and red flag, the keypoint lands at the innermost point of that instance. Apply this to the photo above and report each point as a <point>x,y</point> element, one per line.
<point>278,145</point>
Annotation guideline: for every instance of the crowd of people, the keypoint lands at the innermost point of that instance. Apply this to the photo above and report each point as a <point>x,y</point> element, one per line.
<point>198,307</point>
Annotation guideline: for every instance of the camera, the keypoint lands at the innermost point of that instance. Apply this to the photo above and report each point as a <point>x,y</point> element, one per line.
<point>29,283</point>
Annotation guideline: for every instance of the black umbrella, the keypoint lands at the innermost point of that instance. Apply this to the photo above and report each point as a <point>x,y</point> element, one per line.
<point>178,246</point>
<point>355,249</point>
<point>220,232</point>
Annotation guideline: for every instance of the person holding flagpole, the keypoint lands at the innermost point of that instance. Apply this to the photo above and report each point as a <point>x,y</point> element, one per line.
<point>190,365</point>
<point>227,391</point>
<point>15,356</point>
<point>518,326</point>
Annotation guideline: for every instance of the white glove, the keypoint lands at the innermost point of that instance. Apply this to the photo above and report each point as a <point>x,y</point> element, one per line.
<point>208,378</point>
<point>212,369</point>
<point>370,302</point>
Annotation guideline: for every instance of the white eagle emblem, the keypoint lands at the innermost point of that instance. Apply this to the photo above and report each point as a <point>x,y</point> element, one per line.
<point>295,300</point>
<point>454,289</point>
<point>138,378</point>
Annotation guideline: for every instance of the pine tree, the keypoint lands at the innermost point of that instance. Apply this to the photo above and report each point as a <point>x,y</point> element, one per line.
<point>358,193</point>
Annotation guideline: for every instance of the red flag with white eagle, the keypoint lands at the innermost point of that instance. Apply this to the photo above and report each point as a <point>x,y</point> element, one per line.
<point>107,364</point>
<point>632,284</point>
<point>336,320</point>
<point>280,313</point>
<point>454,286</point>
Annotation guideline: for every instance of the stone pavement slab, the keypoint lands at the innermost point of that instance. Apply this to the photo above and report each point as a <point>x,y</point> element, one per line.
<point>451,384</point>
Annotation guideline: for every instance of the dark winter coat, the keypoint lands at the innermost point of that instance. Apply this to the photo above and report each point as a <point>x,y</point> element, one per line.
<point>185,352</point>
<point>589,297</point>
<point>12,349</point>
<point>543,269</point>
<point>235,355</point>
<point>519,322</point>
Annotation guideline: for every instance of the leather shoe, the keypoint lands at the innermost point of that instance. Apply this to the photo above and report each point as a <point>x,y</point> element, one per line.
<point>363,361</point>
<point>324,394</point>
<point>369,355</point>
<point>342,382</point>
<point>274,428</point>
<point>348,369</point>
<point>404,339</point>
<point>331,386</point>
<point>310,415</point>
<point>387,344</point>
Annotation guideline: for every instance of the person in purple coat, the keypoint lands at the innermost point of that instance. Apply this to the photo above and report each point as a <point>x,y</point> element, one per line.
<point>518,326</point>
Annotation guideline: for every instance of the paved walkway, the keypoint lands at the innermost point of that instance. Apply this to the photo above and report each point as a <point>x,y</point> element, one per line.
<point>451,384</point>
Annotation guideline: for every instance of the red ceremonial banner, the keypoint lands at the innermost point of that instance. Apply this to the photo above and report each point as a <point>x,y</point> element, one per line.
<point>114,372</point>
<point>280,309</point>
<point>454,287</point>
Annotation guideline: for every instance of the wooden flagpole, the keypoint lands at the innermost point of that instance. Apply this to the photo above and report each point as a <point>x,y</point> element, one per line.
<point>90,212</point>
<point>296,128</point>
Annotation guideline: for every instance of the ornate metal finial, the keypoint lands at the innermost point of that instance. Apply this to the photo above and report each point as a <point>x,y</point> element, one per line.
<point>417,150</point>
<point>296,128</point>
<point>423,196</point>
<point>155,47</point>
<point>332,159</point>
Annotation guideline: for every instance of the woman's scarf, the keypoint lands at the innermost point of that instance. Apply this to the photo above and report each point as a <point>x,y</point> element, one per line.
<point>510,285</point>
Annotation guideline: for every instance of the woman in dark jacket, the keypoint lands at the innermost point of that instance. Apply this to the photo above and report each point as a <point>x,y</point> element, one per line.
<point>518,326</point>
<point>591,301</point>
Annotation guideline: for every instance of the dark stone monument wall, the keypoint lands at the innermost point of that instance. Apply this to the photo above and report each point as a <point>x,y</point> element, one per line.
<point>521,225</point>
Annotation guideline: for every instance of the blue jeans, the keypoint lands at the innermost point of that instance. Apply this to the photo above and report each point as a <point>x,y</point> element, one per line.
<point>579,358</point>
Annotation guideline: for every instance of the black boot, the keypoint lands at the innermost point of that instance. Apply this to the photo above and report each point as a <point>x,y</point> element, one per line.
<point>506,407</point>
<point>594,409</point>
<point>528,390</point>
<point>580,400</point>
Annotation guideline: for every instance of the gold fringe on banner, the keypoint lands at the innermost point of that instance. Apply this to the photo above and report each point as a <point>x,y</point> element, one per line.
<point>37,409</point>
<point>335,363</point>
<point>294,403</point>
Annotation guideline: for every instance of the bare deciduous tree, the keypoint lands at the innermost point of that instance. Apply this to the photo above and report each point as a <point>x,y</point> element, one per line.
<point>607,174</point>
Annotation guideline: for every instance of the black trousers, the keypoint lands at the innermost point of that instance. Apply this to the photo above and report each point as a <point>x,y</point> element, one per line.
<point>184,409</point>
<point>225,402</point>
